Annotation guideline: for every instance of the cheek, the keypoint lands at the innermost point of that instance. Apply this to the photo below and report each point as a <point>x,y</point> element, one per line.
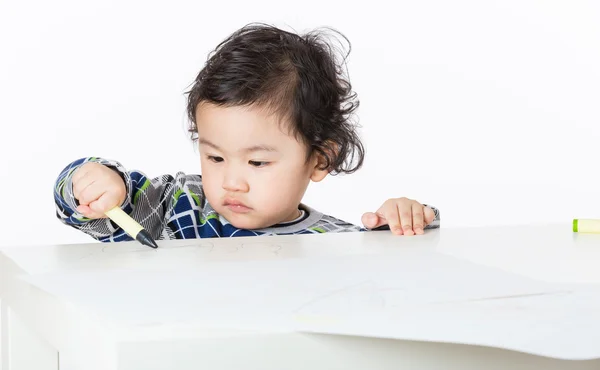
<point>210,182</point>
<point>281,186</point>
<point>281,178</point>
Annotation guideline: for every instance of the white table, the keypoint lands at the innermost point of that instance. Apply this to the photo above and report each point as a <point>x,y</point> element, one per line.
<point>522,297</point>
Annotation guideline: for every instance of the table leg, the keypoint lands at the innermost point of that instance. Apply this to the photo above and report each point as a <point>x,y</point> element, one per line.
<point>3,336</point>
<point>23,349</point>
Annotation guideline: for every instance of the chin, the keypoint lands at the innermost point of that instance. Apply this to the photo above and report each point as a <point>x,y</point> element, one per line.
<point>243,221</point>
<point>248,225</point>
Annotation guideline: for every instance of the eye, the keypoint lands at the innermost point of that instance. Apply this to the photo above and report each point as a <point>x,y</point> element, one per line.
<point>258,163</point>
<point>215,159</point>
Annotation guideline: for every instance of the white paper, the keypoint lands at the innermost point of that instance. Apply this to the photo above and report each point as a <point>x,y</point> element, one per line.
<point>410,296</point>
<point>559,325</point>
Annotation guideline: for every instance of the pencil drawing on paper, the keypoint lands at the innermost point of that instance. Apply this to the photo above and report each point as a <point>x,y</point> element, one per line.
<point>202,247</point>
<point>367,294</point>
<point>132,248</point>
<point>269,247</point>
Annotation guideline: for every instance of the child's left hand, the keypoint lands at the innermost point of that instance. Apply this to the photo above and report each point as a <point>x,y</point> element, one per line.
<point>404,216</point>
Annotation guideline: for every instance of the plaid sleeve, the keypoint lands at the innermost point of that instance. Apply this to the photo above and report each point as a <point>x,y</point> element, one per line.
<point>148,201</point>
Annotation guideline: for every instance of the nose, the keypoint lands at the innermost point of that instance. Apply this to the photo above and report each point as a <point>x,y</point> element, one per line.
<point>234,181</point>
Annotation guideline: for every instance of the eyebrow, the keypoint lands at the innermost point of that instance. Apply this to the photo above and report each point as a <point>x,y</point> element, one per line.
<point>254,148</point>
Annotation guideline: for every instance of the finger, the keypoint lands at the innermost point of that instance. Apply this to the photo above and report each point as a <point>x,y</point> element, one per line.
<point>96,215</point>
<point>371,220</point>
<point>405,212</point>
<point>80,185</point>
<point>80,173</point>
<point>429,215</point>
<point>88,212</point>
<point>106,202</point>
<point>393,218</point>
<point>89,191</point>
<point>84,210</point>
<point>417,218</point>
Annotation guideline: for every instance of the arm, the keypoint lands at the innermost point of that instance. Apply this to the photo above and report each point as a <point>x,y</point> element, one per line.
<point>148,201</point>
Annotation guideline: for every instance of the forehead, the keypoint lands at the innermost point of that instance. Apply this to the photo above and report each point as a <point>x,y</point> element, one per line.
<point>244,123</point>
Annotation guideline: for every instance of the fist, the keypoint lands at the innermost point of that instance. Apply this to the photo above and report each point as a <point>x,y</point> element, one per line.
<point>98,189</point>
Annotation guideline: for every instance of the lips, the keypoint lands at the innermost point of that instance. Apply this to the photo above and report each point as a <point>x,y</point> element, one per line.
<point>236,206</point>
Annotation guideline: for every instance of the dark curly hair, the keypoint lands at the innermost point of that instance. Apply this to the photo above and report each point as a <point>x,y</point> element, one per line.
<point>295,76</point>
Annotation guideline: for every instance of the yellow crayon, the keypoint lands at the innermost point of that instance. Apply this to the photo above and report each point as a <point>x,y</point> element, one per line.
<point>131,227</point>
<point>583,225</point>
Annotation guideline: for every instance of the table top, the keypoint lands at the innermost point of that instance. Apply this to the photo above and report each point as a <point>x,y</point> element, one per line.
<point>550,253</point>
<point>530,288</point>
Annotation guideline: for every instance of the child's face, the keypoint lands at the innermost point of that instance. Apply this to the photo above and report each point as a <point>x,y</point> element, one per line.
<point>253,172</point>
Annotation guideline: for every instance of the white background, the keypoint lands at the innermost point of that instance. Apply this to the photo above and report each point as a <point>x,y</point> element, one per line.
<point>489,110</point>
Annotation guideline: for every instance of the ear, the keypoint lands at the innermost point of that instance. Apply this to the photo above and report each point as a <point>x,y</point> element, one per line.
<point>318,174</point>
<point>317,164</point>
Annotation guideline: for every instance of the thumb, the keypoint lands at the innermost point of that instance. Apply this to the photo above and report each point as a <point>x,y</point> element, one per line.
<point>429,215</point>
<point>84,210</point>
<point>373,220</point>
<point>87,212</point>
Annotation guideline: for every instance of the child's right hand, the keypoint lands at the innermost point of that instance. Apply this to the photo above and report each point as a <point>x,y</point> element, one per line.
<point>98,189</point>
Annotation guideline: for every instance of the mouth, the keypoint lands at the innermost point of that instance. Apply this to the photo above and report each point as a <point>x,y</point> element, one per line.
<point>236,206</point>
